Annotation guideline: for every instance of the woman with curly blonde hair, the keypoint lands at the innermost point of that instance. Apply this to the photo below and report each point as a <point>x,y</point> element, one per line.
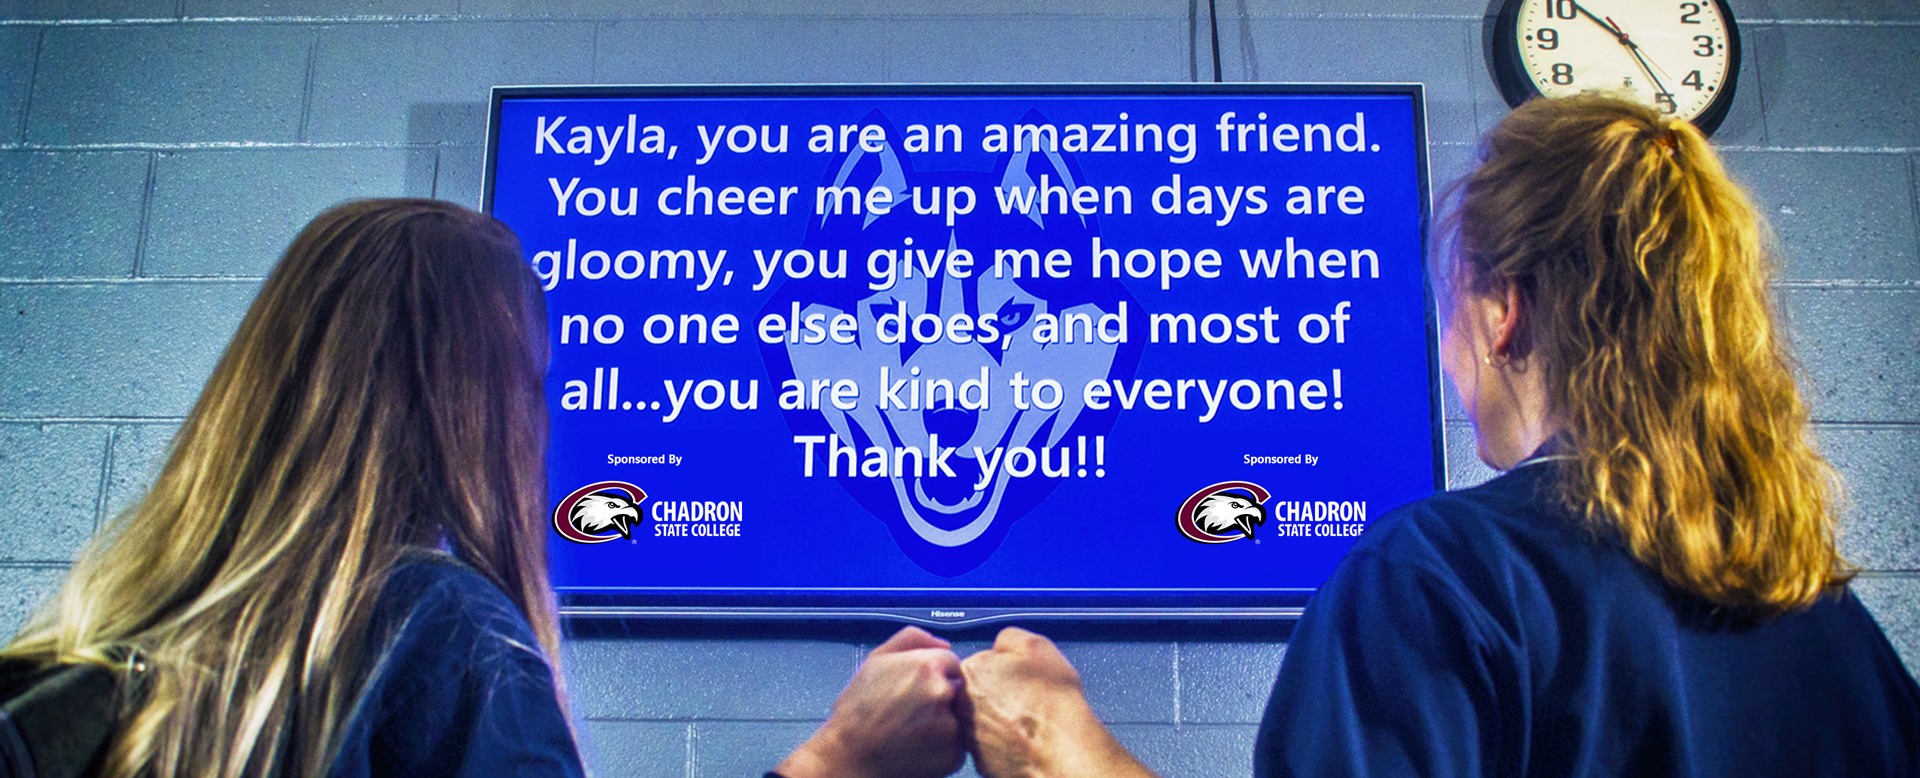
<point>1651,589</point>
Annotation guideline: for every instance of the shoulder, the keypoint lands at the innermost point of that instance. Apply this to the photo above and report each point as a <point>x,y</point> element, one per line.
<point>1499,552</point>
<point>1426,561</point>
<point>1513,514</point>
<point>434,584</point>
<point>434,610</point>
<point>459,684</point>
<point>1409,646</point>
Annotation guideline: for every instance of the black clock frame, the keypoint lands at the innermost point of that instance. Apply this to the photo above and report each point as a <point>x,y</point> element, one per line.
<point>1502,49</point>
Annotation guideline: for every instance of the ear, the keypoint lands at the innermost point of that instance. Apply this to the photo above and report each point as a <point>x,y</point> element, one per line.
<point>1505,312</point>
<point>864,170</point>
<point>1023,169</point>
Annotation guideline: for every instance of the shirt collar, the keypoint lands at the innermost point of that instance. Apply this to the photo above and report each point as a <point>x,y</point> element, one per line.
<point>1553,450</point>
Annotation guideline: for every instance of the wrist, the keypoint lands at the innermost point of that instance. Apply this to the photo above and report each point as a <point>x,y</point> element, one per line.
<point>824,755</point>
<point>1095,752</point>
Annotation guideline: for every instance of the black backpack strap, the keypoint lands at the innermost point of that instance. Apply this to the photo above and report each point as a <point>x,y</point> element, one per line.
<point>56,723</point>
<point>15,760</point>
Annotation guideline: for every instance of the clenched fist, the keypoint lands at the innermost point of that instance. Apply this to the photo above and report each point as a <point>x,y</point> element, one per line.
<point>1026,716</point>
<point>894,720</point>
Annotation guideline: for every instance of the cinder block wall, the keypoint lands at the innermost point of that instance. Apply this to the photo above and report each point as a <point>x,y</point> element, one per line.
<point>156,155</point>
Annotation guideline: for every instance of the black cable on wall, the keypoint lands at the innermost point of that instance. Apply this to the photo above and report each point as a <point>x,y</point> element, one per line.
<point>1213,21</point>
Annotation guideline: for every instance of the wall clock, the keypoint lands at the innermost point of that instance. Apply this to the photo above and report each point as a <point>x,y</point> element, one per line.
<point>1680,56</point>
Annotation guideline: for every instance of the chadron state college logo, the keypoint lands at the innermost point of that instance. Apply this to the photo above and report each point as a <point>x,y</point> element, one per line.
<point>597,513</point>
<point>1224,512</point>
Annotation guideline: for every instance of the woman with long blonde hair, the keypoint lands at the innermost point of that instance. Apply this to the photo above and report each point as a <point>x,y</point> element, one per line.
<point>354,500</point>
<point>341,569</point>
<point>1651,589</point>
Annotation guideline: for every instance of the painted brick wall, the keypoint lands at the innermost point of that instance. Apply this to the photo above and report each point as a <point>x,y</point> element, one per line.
<point>156,155</point>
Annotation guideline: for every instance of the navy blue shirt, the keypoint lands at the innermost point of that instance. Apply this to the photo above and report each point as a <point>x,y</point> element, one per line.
<point>462,689</point>
<point>1485,632</point>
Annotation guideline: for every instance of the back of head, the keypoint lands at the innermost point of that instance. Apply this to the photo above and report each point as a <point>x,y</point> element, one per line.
<point>1644,273</point>
<point>382,393</point>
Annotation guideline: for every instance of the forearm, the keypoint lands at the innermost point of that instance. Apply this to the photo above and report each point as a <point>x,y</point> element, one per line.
<point>811,760</point>
<point>1089,750</point>
<point>825,755</point>
<point>1059,738</point>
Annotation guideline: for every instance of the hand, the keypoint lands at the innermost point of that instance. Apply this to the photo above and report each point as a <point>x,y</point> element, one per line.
<point>1025,715</point>
<point>894,720</point>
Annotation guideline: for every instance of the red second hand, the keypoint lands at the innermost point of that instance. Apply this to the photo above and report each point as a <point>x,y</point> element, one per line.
<point>1618,31</point>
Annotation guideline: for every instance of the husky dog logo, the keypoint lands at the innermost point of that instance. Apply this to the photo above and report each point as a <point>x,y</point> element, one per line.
<point>597,513</point>
<point>1223,512</point>
<point>943,523</point>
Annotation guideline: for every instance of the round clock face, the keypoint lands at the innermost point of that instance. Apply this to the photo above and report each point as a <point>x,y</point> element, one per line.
<point>1679,56</point>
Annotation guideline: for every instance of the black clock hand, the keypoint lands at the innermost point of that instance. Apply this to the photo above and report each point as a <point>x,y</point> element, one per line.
<point>1606,25</point>
<point>1632,48</point>
<point>1646,65</point>
<point>1649,68</point>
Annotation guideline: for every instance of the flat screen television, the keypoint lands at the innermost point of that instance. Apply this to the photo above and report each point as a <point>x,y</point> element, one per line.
<point>952,354</point>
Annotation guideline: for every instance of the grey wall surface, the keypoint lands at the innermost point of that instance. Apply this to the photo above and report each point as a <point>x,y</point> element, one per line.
<point>156,155</point>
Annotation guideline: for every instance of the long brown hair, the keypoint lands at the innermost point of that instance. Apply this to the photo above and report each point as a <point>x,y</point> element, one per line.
<point>383,393</point>
<point>1644,271</point>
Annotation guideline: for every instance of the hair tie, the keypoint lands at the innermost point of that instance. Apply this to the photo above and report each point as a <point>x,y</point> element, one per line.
<point>1669,139</point>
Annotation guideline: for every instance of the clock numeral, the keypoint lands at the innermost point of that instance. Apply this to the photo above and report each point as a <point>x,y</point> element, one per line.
<point>1563,73</point>
<point>1548,38</point>
<point>1693,80</point>
<point>1692,10</point>
<point>1560,9</point>
<point>1665,99</point>
<point>1705,42</point>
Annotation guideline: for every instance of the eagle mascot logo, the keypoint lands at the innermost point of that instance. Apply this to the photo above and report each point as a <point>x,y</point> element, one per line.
<point>1223,512</point>
<point>597,513</point>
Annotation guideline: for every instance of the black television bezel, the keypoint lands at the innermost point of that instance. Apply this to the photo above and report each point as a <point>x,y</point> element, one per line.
<point>953,608</point>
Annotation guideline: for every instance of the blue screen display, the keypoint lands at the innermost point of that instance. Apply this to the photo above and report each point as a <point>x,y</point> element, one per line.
<point>1032,345</point>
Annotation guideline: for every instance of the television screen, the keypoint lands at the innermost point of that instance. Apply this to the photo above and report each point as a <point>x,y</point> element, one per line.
<point>958,353</point>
